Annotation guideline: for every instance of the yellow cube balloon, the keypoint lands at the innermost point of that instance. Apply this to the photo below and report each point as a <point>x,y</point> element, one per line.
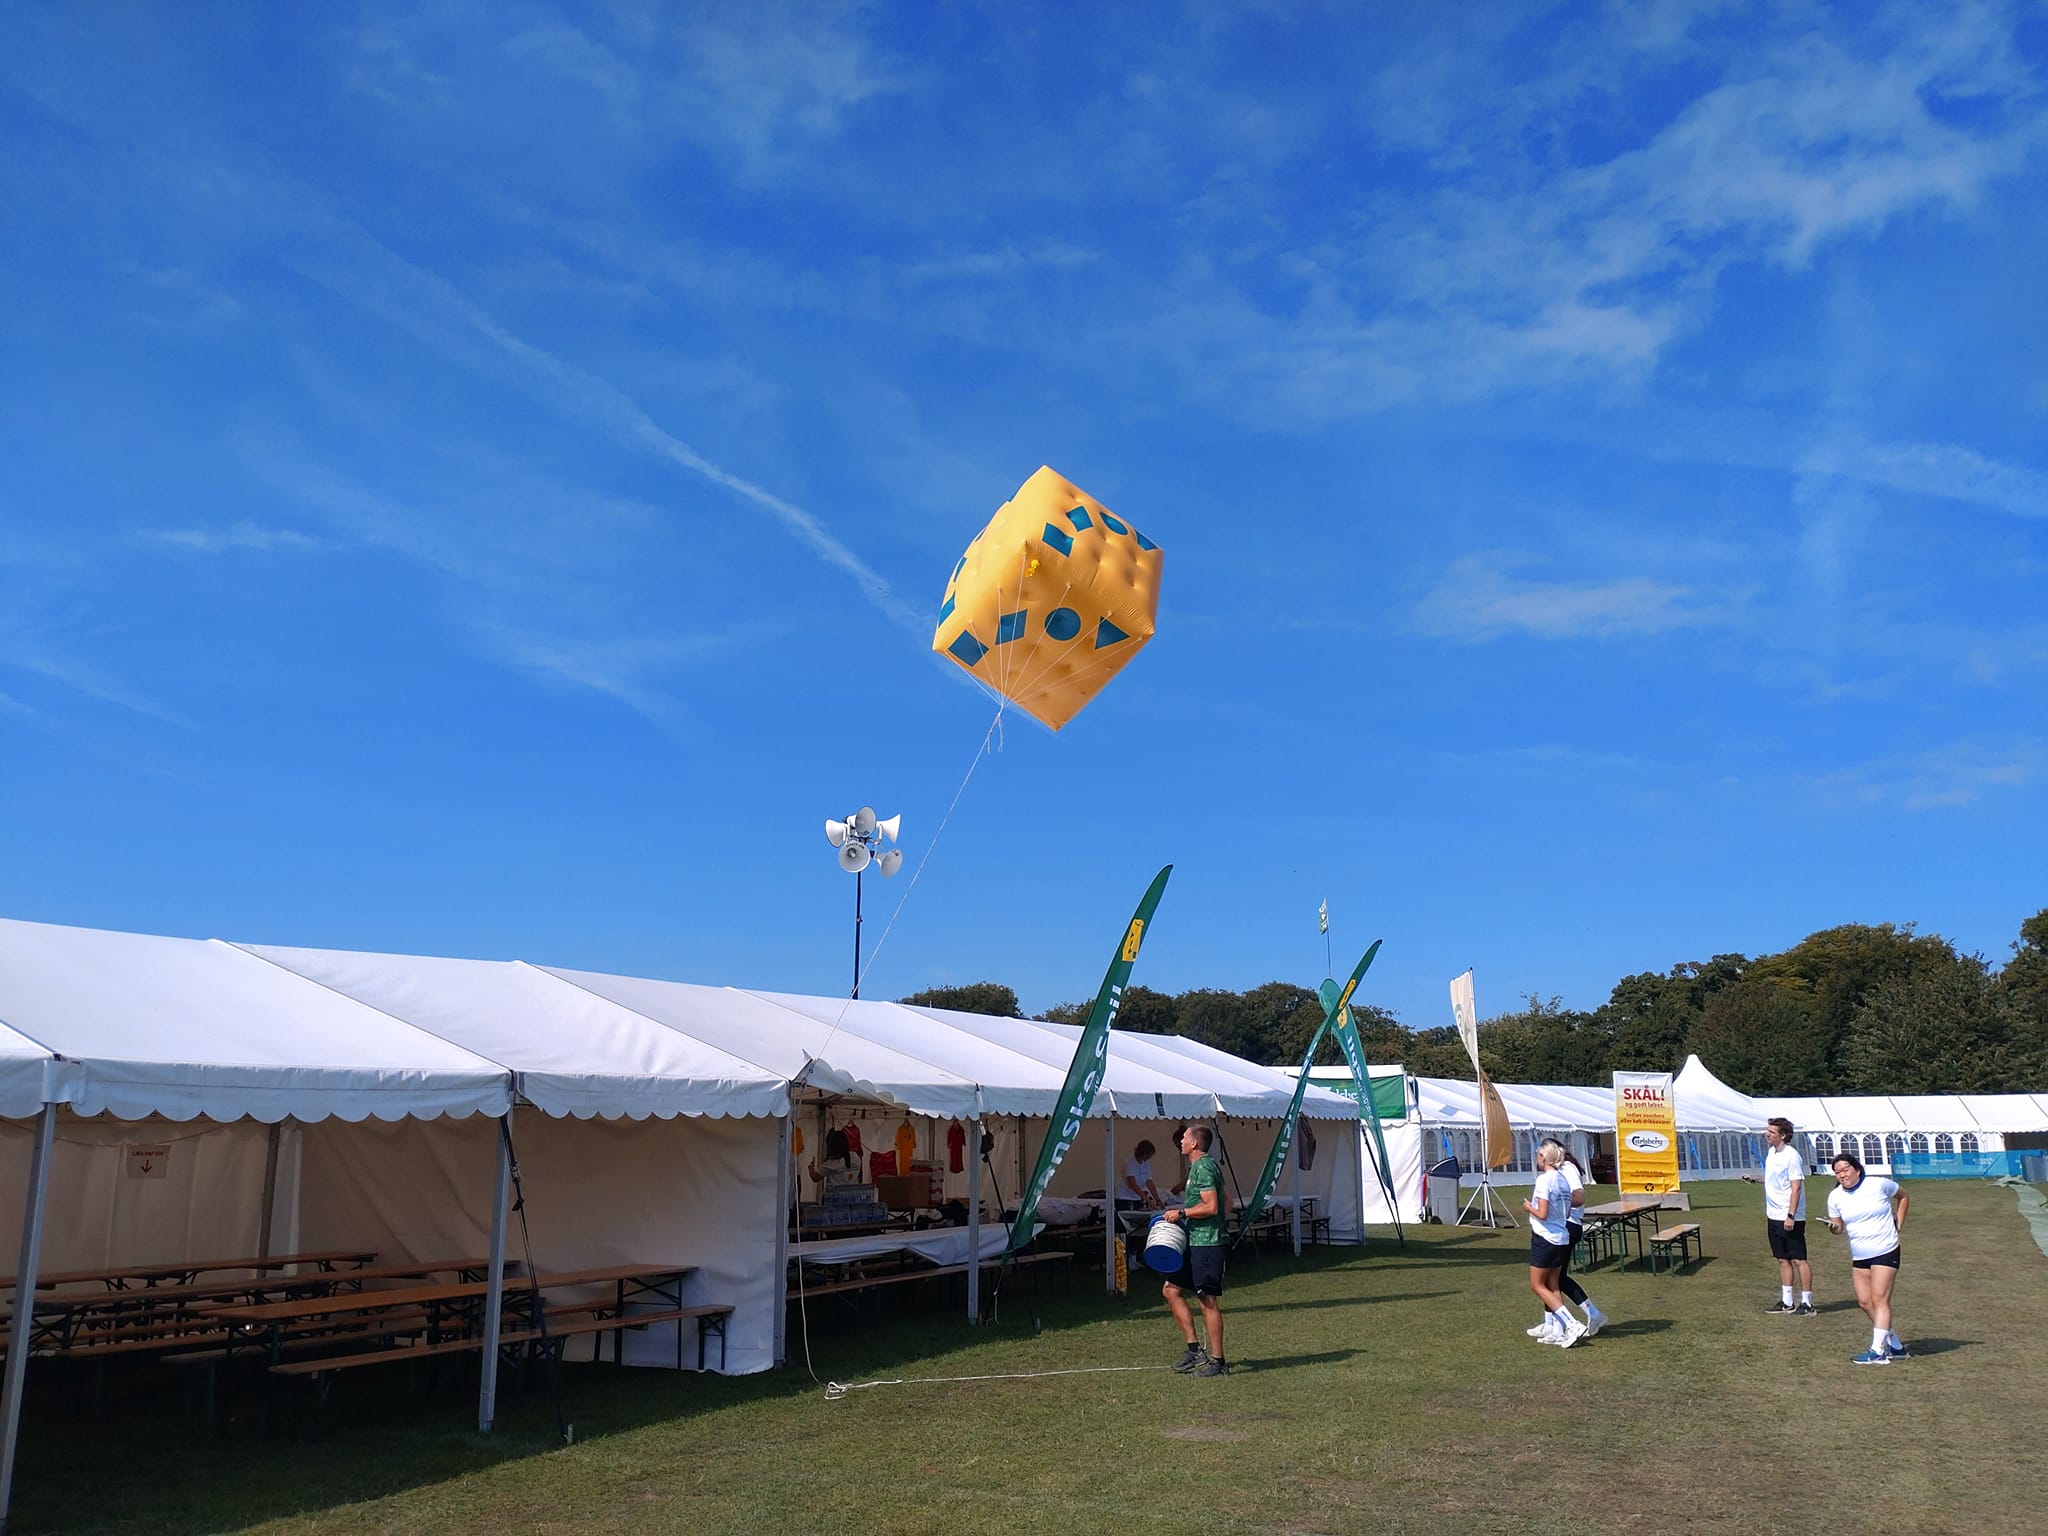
<point>1051,599</point>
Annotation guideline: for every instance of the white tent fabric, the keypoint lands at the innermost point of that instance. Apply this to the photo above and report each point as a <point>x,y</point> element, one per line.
<point>190,1028</point>
<point>1272,1087</point>
<point>791,1044</point>
<point>1861,1114</point>
<point>1131,1084</point>
<point>30,1076</point>
<point>2002,1112</point>
<point>574,1053</point>
<point>1932,1112</point>
<point>1704,1103</point>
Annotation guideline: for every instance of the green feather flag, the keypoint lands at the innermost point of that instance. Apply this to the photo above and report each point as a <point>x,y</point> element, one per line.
<point>1084,1074</point>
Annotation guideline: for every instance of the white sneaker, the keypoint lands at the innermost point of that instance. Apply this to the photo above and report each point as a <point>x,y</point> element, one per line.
<point>1595,1320</point>
<point>1572,1332</point>
<point>1546,1326</point>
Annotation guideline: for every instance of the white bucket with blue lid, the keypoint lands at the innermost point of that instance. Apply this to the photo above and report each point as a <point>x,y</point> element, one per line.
<point>1166,1247</point>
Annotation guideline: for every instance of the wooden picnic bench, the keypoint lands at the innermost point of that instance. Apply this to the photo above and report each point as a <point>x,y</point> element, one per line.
<point>185,1271</point>
<point>1675,1245</point>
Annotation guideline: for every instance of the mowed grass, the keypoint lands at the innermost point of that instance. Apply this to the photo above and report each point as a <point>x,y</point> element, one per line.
<point>1388,1388</point>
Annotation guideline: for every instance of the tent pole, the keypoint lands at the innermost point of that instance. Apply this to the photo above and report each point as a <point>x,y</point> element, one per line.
<point>1109,1221</point>
<point>1294,1189</point>
<point>783,1194</point>
<point>494,1296</point>
<point>974,1160</point>
<point>24,1285</point>
<point>269,1188</point>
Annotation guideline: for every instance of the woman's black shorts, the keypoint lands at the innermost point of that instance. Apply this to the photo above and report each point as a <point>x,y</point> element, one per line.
<point>1544,1254</point>
<point>1882,1261</point>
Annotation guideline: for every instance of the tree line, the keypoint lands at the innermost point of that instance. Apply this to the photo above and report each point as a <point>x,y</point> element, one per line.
<point>1858,1008</point>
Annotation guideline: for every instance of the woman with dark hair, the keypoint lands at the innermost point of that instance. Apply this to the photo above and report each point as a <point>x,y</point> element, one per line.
<point>1137,1189</point>
<point>839,1166</point>
<point>1873,1214</point>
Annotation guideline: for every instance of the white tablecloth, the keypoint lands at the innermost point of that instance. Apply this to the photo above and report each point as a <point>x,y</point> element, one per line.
<point>941,1245</point>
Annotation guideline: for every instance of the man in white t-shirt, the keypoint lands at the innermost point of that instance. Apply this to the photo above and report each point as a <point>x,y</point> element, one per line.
<point>1137,1188</point>
<point>1784,1182</point>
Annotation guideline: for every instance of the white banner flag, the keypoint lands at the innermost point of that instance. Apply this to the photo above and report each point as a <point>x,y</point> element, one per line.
<point>1467,1015</point>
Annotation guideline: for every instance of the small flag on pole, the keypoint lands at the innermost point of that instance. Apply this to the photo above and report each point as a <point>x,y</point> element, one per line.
<point>1323,918</point>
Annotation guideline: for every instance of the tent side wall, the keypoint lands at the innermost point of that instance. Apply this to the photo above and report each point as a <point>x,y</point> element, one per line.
<point>131,1192</point>
<point>693,1191</point>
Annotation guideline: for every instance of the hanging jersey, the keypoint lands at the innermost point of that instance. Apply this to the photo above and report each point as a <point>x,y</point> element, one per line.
<point>906,1146</point>
<point>852,1130</point>
<point>956,1146</point>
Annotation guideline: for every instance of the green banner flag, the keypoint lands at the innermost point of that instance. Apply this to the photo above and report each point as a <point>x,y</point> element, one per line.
<point>1084,1074</point>
<point>1346,1032</point>
<point>1277,1158</point>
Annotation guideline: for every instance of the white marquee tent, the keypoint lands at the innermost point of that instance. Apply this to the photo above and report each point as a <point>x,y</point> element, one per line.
<point>310,1098</point>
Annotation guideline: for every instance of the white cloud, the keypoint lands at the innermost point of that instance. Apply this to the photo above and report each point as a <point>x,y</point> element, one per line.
<point>238,536</point>
<point>1479,599</point>
<point>1942,779</point>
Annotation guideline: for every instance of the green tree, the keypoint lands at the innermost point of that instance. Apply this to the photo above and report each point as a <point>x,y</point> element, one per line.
<point>1543,1043</point>
<point>1761,1036</point>
<point>2023,993</point>
<point>1067,1013</point>
<point>1438,1052</point>
<point>1648,1017</point>
<point>987,997</point>
<point>1935,1029</point>
<point>1216,1017</point>
<point>1382,1035</point>
<point>1833,971</point>
<point>1282,1017</point>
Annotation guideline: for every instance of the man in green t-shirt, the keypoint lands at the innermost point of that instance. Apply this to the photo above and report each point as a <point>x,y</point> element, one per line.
<point>1203,1216</point>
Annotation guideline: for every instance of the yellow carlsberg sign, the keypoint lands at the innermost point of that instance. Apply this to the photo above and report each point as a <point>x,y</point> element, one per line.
<point>1645,1132</point>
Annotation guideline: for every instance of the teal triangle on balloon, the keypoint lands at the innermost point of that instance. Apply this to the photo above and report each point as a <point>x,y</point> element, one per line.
<point>1107,634</point>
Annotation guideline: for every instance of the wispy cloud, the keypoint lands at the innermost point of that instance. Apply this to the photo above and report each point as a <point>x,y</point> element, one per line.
<point>1479,598</point>
<point>236,536</point>
<point>42,656</point>
<point>1941,779</point>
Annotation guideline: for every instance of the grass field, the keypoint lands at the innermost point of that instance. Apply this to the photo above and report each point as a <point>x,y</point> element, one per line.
<point>1377,1389</point>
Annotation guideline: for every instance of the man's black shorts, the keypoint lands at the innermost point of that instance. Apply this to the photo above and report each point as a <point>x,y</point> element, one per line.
<point>1205,1270</point>
<point>1787,1245</point>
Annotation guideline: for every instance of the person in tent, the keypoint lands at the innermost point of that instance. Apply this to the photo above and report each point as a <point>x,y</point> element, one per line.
<point>1873,1214</point>
<point>1574,1228</point>
<point>1550,1246</point>
<point>1138,1192</point>
<point>1203,1216</point>
<point>839,1166</point>
<point>1784,1182</point>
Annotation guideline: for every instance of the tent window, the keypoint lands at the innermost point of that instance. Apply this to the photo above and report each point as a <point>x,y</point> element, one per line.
<point>1873,1148</point>
<point>1894,1146</point>
<point>1944,1144</point>
<point>1969,1141</point>
<point>1918,1143</point>
<point>1823,1147</point>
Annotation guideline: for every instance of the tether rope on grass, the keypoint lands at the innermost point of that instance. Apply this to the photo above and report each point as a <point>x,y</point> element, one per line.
<point>835,1390</point>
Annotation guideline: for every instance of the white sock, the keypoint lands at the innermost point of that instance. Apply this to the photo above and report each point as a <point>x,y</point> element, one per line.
<point>1591,1310</point>
<point>1806,1298</point>
<point>1878,1340</point>
<point>1785,1294</point>
<point>1565,1321</point>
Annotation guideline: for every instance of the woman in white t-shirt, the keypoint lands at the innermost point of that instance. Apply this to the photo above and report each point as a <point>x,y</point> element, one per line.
<point>1873,1214</point>
<point>1137,1189</point>
<point>1574,1229</point>
<point>1550,1244</point>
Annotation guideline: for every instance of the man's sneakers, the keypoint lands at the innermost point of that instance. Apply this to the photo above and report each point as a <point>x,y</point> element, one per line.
<point>1570,1333</point>
<point>1783,1309</point>
<point>1193,1360</point>
<point>1872,1357</point>
<point>1543,1330</point>
<point>1804,1309</point>
<point>1213,1366</point>
<point>1595,1320</point>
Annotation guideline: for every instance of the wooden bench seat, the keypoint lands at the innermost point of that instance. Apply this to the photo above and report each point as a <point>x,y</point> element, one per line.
<point>600,1318</point>
<point>1675,1244</point>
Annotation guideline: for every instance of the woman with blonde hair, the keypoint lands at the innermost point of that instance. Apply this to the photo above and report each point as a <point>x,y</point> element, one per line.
<point>1574,1229</point>
<point>1550,1244</point>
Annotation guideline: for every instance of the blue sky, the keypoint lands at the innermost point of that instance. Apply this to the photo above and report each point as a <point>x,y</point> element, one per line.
<point>480,480</point>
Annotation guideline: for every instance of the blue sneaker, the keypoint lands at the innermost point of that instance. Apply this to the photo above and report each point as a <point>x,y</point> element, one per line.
<point>1898,1351</point>
<point>1872,1357</point>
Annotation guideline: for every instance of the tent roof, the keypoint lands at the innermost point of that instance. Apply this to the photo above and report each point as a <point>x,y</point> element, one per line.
<point>2006,1111</point>
<point>1273,1086</point>
<point>1705,1103</point>
<point>28,1075</point>
<point>572,1052</point>
<point>1132,1085</point>
<point>193,1027</point>
<point>1934,1112</point>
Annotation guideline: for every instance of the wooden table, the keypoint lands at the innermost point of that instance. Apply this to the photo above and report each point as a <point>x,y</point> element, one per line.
<point>185,1271</point>
<point>1628,1214</point>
